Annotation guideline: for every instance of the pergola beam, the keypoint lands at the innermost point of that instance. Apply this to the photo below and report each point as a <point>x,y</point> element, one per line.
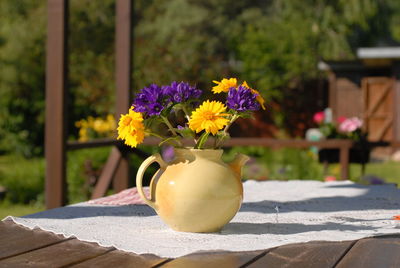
<point>123,71</point>
<point>56,91</point>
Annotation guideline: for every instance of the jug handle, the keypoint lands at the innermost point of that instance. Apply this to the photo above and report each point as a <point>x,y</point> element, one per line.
<point>139,177</point>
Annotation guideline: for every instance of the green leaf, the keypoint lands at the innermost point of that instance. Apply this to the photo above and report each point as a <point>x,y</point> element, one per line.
<point>245,114</point>
<point>186,132</point>
<point>154,120</point>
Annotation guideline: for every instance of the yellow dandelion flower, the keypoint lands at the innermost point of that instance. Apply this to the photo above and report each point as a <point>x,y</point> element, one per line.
<point>131,128</point>
<point>259,98</point>
<point>209,116</point>
<point>224,85</point>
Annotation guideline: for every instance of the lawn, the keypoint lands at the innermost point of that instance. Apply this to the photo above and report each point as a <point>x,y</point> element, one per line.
<point>7,209</point>
<point>389,171</point>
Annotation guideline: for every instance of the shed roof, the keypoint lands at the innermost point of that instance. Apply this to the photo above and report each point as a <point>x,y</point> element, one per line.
<point>378,52</point>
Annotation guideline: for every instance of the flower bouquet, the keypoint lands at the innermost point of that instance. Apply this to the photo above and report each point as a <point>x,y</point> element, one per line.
<point>153,106</point>
<point>345,128</point>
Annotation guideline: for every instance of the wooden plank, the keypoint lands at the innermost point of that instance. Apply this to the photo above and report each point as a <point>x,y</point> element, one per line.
<point>123,52</point>
<point>333,93</point>
<point>119,258</point>
<point>386,125</point>
<point>281,143</point>
<point>56,121</point>
<point>123,71</point>
<point>311,254</point>
<point>396,112</point>
<point>344,162</point>
<point>16,239</point>
<point>364,93</point>
<point>378,100</point>
<point>266,142</point>
<point>58,255</point>
<point>379,108</point>
<point>348,96</point>
<point>107,174</point>
<point>76,145</point>
<point>373,252</point>
<point>121,177</point>
<point>214,259</point>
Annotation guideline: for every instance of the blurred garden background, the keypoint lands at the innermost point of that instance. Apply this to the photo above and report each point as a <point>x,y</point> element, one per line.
<point>275,45</point>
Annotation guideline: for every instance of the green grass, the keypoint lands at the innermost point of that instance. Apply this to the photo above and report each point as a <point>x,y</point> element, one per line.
<point>389,171</point>
<point>8,209</point>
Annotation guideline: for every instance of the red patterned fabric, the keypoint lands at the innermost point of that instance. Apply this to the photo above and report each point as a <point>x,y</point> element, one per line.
<point>125,197</point>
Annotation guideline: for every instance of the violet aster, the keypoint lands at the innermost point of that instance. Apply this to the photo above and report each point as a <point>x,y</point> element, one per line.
<point>181,92</point>
<point>242,99</point>
<point>150,100</point>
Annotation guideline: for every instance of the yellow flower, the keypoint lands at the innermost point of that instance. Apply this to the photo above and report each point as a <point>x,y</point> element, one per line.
<point>131,128</point>
<point>111,121</point>
<point>224,85</point>
<point>83,135</point>
<point>259,98</point>
<point>209,116</point>
<point>100,126</point>
<point>83,129</point>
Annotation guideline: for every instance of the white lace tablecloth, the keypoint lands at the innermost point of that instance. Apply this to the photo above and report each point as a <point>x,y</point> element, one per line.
<point>308,210</point>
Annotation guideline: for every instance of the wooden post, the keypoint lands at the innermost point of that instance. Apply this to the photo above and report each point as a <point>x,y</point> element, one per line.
<point>107,174</point>
<point>333,94</point>
<point>396,112</point>
<point>123,66</point>
<point>56,85</point>
<point>344,161</point>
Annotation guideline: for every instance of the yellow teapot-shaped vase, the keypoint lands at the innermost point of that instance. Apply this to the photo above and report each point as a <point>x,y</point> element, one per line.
<point>196,191</point>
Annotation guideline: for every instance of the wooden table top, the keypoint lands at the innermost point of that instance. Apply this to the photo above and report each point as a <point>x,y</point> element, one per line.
<point>22,247</point>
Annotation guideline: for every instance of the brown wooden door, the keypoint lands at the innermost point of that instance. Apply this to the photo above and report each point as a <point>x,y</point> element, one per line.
<point>378,98</point>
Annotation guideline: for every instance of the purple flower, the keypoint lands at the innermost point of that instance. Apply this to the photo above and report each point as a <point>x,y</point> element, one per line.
<point>181,92</point>
<point>242,99</point>
<point>150,100</point>
<point>168,153</point>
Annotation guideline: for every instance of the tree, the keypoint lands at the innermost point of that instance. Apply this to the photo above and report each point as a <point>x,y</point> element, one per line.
<point>273,44</point>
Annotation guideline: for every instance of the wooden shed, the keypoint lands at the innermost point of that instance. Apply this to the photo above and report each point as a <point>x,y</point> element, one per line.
<point>368,88</point>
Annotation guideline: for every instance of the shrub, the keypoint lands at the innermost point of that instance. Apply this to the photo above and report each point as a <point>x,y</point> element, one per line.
<point>22,178</point>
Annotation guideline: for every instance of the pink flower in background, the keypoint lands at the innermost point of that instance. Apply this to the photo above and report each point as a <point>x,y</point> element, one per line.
<point>350,124</point>
<point>319,117</point>
<point>341,119</point>
<point>330,178</point>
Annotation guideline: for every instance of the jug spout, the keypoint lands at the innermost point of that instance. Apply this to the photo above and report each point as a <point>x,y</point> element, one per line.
<point>238,163</point>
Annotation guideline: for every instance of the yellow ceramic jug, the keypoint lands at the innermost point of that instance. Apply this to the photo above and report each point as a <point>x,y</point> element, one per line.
<point>196,191</point>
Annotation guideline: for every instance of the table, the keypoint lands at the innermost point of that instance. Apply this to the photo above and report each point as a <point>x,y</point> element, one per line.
<point>22,247</point>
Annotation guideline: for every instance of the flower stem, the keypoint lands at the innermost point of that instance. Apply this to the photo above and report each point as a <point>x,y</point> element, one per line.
<point>166,121</point>
<point>186,113</point>
<point>233,119</point>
